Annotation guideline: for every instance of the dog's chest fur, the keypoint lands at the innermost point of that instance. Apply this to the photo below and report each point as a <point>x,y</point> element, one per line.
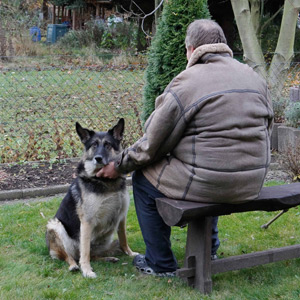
<point>103,211</point>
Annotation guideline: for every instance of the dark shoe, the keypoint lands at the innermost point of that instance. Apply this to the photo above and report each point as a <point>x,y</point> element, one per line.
<point>141,265</point>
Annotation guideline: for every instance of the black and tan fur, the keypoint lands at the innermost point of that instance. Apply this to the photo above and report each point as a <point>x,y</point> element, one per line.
<point>93,209</point>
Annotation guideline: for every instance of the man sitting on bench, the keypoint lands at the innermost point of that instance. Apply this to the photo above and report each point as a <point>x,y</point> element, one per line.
<point>208,140</point>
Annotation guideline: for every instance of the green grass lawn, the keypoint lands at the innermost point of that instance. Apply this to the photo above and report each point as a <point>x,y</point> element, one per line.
<point>28,272</point>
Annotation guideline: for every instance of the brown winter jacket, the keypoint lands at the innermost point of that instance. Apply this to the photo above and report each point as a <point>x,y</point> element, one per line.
<point>208,139</point>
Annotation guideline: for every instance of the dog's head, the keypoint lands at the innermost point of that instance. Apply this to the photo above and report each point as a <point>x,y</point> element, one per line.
<point>100,147</point>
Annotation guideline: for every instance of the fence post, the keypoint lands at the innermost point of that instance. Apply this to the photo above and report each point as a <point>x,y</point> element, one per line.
<point>294,94</point>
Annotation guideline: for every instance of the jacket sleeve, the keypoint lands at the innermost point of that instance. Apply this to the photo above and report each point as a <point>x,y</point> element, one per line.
<point>163,130</point>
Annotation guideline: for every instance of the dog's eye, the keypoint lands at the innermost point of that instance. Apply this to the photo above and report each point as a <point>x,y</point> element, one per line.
<point>107,145</point>
<point>95,144</point>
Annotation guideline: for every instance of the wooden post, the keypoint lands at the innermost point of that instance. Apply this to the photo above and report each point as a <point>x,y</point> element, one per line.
<point>294,94</point>
<point>103,12</point>
<point>53,14</point>
<point>198,245</point>
<point>80,18</point>
<point>74,19</point>
<point>58,13</point>
<point>97,10</point>
<point>45,9</point>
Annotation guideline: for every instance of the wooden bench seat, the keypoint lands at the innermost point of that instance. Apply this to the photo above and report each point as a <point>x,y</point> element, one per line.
<point>198,266</point>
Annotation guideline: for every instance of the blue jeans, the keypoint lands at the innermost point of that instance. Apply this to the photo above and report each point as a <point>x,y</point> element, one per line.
<point>156,233</point>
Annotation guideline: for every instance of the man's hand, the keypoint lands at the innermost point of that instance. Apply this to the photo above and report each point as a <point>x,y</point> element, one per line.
<point>109,171</point>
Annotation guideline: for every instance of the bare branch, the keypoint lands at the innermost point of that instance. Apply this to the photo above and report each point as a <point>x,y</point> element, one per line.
<point>270,19</point>
<point>160,4</point>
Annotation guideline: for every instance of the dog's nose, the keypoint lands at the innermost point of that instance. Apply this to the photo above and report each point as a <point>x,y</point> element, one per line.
<point>98,159</point>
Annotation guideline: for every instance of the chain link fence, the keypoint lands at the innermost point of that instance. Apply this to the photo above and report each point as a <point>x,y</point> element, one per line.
<point>39,107</point>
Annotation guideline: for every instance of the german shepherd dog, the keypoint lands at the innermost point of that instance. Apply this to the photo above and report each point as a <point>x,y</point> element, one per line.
<point>93,209</point>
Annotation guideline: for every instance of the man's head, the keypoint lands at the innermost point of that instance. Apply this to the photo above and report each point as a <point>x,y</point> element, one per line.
<point>201,32</point>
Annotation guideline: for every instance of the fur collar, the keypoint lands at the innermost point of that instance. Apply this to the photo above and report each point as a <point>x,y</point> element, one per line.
<point>208,48</point>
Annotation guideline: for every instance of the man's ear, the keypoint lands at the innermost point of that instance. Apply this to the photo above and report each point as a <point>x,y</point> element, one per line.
<point>118,130</point>
<point>83,133</point>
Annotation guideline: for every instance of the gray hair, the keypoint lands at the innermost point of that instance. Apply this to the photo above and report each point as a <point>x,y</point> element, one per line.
<point>204,31</point>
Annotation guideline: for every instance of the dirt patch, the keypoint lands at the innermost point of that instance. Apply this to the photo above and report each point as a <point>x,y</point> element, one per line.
<point>37,174</point>
<point>43,174</point>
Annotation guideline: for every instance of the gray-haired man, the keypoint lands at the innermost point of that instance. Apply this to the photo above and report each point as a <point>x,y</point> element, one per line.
<point>208,140</point>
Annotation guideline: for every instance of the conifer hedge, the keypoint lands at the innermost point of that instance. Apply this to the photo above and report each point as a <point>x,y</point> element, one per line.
<point>166,57</point>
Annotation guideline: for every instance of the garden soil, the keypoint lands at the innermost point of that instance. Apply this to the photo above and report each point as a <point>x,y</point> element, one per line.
<point>36,174</point>
<point>44,174</point>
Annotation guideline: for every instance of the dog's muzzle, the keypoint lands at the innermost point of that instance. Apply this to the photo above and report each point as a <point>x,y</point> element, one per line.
<point>99,160</point>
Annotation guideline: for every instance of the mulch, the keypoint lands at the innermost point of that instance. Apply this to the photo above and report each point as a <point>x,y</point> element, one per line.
<point>36,174</point>
<point>44,174</point>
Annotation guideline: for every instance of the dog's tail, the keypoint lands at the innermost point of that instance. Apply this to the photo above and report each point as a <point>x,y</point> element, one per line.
<point>59,244</point>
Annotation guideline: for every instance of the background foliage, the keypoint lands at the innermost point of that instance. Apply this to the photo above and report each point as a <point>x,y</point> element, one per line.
<point>166,57</point>
<point>99,36</point>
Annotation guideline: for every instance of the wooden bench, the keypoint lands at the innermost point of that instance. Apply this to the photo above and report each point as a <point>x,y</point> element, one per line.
<point>198,266</point>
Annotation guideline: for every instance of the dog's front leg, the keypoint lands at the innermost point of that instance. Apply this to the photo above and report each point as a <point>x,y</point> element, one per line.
<point>85,247</point>
<point>123,239</point>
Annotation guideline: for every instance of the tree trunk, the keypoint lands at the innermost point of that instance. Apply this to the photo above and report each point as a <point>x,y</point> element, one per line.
<point>255,14</point>
<point>285,45</point>
<point>253,55</point>
<point>285,48</point>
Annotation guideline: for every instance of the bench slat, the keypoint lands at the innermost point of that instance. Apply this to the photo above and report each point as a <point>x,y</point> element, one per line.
<point>254,259</point>
<point>198,267</point>
<point>177,212</point>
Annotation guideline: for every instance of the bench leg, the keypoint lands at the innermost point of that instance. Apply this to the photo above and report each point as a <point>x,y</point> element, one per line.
<point>198,254</point>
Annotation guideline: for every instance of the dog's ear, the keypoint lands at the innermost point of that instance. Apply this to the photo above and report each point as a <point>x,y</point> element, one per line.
<point>84,134</point>
<point>118,130</point>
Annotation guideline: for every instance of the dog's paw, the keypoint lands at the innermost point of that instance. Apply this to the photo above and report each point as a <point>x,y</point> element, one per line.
<point>129,252</point>
<point>133,254</point>
<point>73,268</point>
<point>89,274</point>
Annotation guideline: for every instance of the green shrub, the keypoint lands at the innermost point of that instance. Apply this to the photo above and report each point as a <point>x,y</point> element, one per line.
<point>167,52</point>
<point>292,114</point>
<point>122,36</point>
<point>279,106</point>
<point>117,36</point>
<point>92,34</point>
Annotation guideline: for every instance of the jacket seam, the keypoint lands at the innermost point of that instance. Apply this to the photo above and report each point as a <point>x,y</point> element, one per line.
<point>242,91</point>
<point>178,103</point>
<point>236,170</point>
<point>161,173</point>
<point>180,106</point>
<point>212,95</point>
<point>192,171</point>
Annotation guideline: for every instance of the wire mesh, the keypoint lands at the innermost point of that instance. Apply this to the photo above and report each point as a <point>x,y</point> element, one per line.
<point>39,108</point>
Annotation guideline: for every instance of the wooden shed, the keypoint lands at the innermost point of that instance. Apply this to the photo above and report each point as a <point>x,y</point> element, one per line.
<point>77,17</point>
